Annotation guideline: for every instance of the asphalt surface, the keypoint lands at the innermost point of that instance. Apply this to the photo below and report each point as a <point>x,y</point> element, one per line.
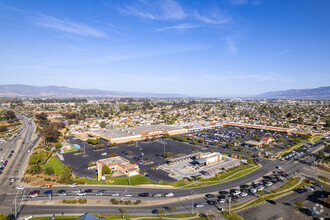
<point>16,165</point>
<point>182,203</point>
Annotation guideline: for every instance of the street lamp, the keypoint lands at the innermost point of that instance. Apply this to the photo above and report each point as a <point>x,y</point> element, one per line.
<point>192,200</point>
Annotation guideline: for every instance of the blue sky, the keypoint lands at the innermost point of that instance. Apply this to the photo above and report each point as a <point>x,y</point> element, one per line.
<point>214,48</point>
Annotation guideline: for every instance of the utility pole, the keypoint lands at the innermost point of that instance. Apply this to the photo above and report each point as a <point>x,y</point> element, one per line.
<point>84,149</point>
<point>192,201</point>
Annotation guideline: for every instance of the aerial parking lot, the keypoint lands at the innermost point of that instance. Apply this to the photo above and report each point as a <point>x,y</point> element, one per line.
<point>149,154</point>
<point>291,206</point>
<point>245,141</point>
<point>145,154</point>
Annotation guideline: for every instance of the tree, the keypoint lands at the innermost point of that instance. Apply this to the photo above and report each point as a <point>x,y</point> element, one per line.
<point>49,171</point>
<point>129,152</point>
<point>161,212</point>
<point>9,115</point>
<point>106,169</point>
<point>67,172</point>
<point>112,155</point>
<point>172,208</point>
<point>167,154</point>
<point>92,141</point>
<point>249,161</point>
<point>58,145</point>
<point>42,116</point>
<point>3,128</point>
<point>3,217</point>
<point>166,135</point>
<point>103,124</point>
<point>35,169</point>
<point>224,115</point>
<point>123,211</point>
<point>106,114</point>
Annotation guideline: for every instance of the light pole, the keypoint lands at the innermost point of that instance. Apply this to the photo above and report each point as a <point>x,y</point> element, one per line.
<point>192,201</point>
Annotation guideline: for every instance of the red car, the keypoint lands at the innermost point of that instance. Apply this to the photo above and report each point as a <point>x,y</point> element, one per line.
<point>23,142</point>
<point>34,192</point>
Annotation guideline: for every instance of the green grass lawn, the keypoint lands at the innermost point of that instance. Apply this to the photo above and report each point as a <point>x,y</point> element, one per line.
<point>118,216</point>
<point>70,150</point>
<point>56,164</point>
<point>291,182</point>
<point>229,173</point>
<point>242,173</point>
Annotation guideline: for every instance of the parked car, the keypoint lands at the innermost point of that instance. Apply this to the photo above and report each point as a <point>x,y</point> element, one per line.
<point>20,187</point>
<point>243,194</point>
<point>271,202</point>
<point>74,185</point>
<point>221,200</point>
<point>198,205</point>
<point>317,184</point>
<point>211,202</point>
<point>209,196</point>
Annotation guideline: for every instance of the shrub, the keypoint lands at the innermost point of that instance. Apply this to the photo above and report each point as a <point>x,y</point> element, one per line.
<point>49,170</point>
<point>127,202</point>
<point>137,202</point>
<point>82,201</point>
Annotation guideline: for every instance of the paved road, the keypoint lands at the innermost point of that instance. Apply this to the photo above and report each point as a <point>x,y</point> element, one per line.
<point>16,165</point>
<point>20,158</point>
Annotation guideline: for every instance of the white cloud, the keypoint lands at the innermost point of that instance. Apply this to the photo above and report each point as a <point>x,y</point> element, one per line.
<point>69,27</point>
<point>180,27</point>
<point>282,53</point>
<point>213,20</point>
<point>164,10</point>
<point>156,10</point>
<point>231,46</point>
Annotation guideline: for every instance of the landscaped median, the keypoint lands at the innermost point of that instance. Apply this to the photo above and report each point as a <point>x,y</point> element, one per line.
<point>120,216</point>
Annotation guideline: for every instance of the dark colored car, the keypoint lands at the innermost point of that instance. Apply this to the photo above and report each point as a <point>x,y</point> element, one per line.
<point>317,184</point>
<point>48,192</point>
<point>88,190</point>
<point>143,194</point>
<point>300,190</point>
<point>271,202</point>
<point>62,191</point>
<point>209,196</point>
<point>211,202</point>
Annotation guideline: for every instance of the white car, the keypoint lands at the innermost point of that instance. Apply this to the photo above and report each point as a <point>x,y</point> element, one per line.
<point>253,190</point>
<point>12,180</point>
<point>255,182</point>
<point>76,190</point>
<point>157,195</point>
<point>34,195</point>
<point>268,184</point>
<point>74,185</point>
<point>243,194</point>
<point>221,200</point>
<point>261,187</point>
<point>114,194</point>
<point>127,194</point>
<point>81,194</point>
<point>63,194</point>
<point>168,194</point>
<point>99,193</point>
<point>20,187</point>
<point>198,205</point>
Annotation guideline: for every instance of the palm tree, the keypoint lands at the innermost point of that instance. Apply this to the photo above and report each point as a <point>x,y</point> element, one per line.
<point>123,211</point>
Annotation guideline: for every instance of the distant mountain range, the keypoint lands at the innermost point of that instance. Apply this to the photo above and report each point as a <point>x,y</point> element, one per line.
<point>317,93</point>
<point>26,91</point>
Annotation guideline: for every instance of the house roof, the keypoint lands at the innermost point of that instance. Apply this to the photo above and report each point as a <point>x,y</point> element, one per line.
<point>88,216</point>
